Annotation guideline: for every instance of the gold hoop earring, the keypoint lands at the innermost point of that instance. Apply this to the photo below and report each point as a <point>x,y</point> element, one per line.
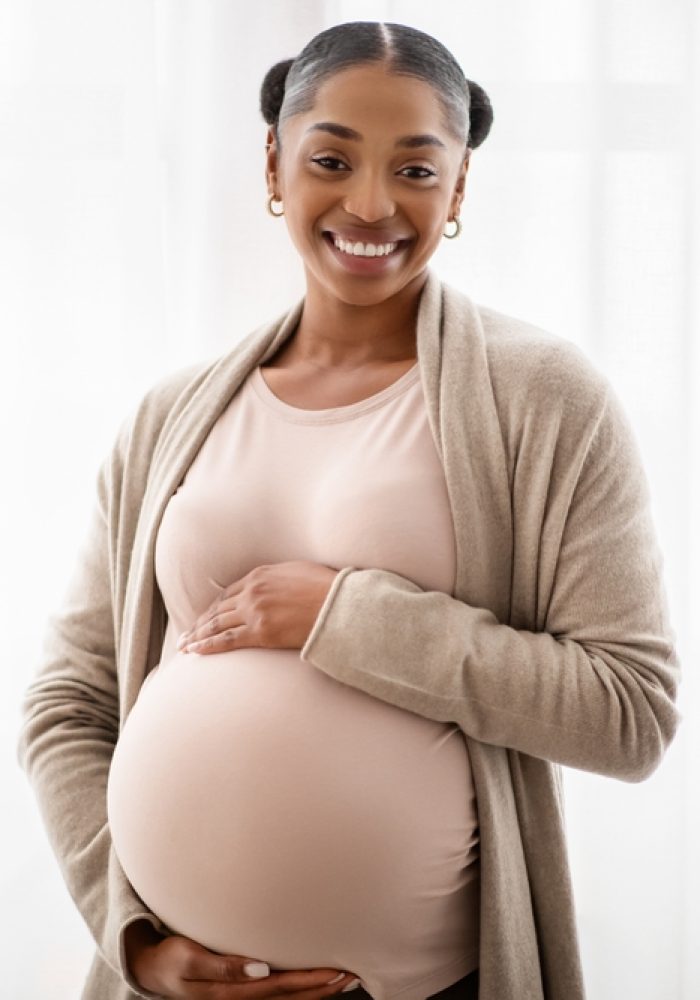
<point>458,230</point>
<point>269,206</point>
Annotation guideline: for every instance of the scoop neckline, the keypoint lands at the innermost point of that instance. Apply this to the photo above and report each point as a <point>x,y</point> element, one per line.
<point>332,414</point>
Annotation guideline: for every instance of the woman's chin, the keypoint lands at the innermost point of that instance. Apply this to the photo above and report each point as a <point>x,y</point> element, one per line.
<point>354,286</point>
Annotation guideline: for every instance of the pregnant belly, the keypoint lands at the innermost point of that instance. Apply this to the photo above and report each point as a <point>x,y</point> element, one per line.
<point>265,809</point>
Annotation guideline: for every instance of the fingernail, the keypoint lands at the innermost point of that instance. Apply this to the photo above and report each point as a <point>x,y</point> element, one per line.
<point>181,640</point>
<point>336,980</point>
<point>256,970</point>
<point>351,986</point>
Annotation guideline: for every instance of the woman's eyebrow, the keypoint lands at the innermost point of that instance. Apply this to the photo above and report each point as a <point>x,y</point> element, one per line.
<point>343,132</point>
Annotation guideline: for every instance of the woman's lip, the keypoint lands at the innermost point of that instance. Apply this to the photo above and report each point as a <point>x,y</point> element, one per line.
<point>364,265</point>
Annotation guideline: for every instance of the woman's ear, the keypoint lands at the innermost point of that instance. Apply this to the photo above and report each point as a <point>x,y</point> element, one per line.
<point>271,160</point>
<point>458,194</point>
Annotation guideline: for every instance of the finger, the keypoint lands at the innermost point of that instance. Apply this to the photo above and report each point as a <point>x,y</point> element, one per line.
<point>325,982</point>
<point>217,623</point>
<point>206,969</point>
<point>196,964</point>
<point>235,637</point>
<point>218,606</point>
<point>211,627</point>
<point>305,984</point>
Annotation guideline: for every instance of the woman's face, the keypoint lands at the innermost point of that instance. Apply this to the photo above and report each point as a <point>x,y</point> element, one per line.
<point>371,163</point>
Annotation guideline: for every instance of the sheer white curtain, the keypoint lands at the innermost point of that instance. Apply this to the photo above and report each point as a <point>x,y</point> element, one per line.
<point>134,239</point>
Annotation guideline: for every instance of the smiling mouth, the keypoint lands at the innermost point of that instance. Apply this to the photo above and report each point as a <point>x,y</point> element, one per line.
<point>364,250</point>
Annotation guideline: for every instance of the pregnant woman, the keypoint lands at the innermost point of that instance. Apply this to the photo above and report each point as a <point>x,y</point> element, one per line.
<point>350,596</point>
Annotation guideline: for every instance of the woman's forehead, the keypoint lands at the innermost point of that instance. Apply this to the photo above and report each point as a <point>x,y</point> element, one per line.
<point>369,97</point>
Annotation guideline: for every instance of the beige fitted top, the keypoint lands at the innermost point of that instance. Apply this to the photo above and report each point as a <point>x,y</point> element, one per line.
<point>256,804</point>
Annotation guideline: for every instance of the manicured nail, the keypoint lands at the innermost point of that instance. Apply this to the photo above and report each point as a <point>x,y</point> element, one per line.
<point>336,979</point>
<point>351,986</point>
<point>256,970</point>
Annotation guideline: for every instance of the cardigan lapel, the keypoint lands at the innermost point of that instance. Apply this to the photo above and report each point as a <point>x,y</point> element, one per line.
<point>464,421</point>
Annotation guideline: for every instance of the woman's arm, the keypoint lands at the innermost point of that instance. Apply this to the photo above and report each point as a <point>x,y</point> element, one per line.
<point>69,728</point>
<point>594,690</point>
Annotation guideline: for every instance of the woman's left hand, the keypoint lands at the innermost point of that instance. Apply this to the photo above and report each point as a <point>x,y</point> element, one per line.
<point>273,606</point>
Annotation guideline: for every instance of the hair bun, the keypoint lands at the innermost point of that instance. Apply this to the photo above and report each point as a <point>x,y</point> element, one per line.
<point>480,115</point>
<point>272,90</point>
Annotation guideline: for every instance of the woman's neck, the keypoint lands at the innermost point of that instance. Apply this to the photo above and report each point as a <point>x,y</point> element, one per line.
<point>335,334</point>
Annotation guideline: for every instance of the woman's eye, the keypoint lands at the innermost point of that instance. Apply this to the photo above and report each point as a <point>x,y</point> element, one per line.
<point>424,172</point>
<point>326,161</point>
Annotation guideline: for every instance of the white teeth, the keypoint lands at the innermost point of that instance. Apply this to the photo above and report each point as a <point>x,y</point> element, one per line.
<point>364,249</point>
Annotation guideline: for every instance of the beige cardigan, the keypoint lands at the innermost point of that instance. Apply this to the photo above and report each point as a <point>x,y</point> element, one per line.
<point>556,647</point>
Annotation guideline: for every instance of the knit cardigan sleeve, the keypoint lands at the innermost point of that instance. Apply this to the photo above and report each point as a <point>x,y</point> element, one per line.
<point>70,715</point>
<point>595,686</point>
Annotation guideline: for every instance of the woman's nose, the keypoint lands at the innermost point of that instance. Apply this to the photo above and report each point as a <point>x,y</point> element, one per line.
<point>368,199</point>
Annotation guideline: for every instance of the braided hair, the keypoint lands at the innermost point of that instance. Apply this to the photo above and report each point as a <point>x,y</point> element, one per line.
<point>289,87</point>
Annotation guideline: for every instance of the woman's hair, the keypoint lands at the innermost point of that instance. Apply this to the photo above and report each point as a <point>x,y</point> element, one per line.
<point>289,87</point>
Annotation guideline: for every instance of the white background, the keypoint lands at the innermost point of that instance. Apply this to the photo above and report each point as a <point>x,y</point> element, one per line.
<point>134,239</point>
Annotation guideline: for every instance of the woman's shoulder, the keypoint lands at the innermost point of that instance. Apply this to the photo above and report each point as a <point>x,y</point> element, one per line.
<point>519,350</point>
<point>158,409</point>
<point>538,366</point>
<point>177,384</point>
<point>171,392</point>
<point>162,401</point>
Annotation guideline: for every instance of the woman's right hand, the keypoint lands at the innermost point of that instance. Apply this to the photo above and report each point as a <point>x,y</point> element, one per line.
<point>178,968</point>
